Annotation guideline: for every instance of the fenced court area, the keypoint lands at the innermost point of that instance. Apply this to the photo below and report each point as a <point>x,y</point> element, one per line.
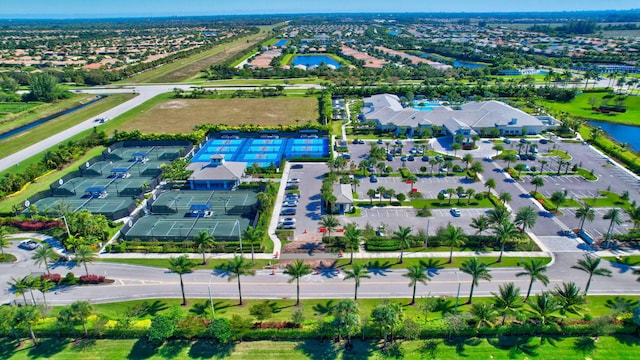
<point>180,215</point>
<point>263,152</point>
<point>109,184</point>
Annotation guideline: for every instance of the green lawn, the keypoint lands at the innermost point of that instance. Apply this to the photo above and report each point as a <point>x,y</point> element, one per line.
<point>580,107</point>
<point>164,263</point>
<point>435,203</point>
<point>559,153</point>
<point>524,347</point>
<point>627,260</point>
<point>608,199</point>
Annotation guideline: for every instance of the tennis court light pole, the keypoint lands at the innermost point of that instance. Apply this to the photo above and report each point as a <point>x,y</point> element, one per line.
<point>239,236</point>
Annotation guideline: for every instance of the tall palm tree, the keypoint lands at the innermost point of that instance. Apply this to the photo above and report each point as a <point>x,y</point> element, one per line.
<point>205,241</point>
<point>330,223</point>
<point>42,255</point>
<point>505,232</point>
<point>505,197</point>
<point>535,269</point>
<point>83,255</point>
<point>297,270</point>
<point>526,217</point>
<point>480,223</point>
<point>81,310</point>
<point>29,316</point>
<point>507,300</point>
<point>467,159</point>
<point>479,270</point>
<point>403,235</point>
<point>253,235</point>
<point>510,158</point>
<point>483,313</point>
<point>236,268</point>
<point>490,184</point>
<point>453,236</point>
<point>591,265</point>
<point>542,165</point>
<point>19,287</point>
<point>537,182</point>
<point>569,297</point>
<point>498,214</point>
<point>544,306</point>
<point>181,265</point>
<point>357,272</point>
<point>558,197</point>
<point>352,238</point>
<point>585,213</point>
<point>615,215</point>
<point>44,285</point>
<point>416,274</point>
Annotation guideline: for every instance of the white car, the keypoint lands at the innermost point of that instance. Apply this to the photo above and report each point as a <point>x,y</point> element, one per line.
<point>28,245</point>
<point>290,203</point>
<point>294,181</point>
<point>288,220</point>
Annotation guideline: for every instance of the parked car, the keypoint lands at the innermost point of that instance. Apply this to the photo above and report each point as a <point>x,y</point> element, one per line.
<point>346,156</point>
<point>380,231</point>
<point>543,141</point>
<point>287,226</point>
<point>294,197</point>
<point>28,245</point>
<point>389,157</point>
<point>373,179</point>
<point>403,158</point>
<point>360,141</point>
<point>411,158</point>
<point>379,141</point>
<point>294,181</point>
<point>289,203</point>
<point>507,141</point>
<point>413,151</point>
<point>425,158</point>
<point>532,157</point>
<point>297,166</point>
<point>455,212</point>
<point>523,141</point>
<point>288,211</point>
<point>371,169</point>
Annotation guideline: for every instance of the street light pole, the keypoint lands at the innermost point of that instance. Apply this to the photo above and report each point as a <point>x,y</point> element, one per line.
<point>211,299</point>
<point>426,238</point>
<point>66,225</point>
<point>458,293</point>
<point>239,236</point>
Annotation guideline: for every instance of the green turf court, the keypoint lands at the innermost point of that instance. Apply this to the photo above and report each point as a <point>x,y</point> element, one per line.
<point>180,215</point>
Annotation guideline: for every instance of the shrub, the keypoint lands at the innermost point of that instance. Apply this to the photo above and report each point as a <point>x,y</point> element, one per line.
<point>162,327</point>
<point>261,311</point>
<point>220,331</point>
<point>55,278</point>
<point>69,279</point>
<point>92,279</point>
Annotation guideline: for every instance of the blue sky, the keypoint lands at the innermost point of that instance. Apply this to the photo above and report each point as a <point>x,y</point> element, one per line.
<point>125,8</point>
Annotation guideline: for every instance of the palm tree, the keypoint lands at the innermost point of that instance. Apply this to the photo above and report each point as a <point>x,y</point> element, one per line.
<point>204,241</point>
<point>469,193</point>
<point>558,197</point>
<point>330,223</point>
<point>479,270</point>
<point>453,236</point>
<point>253,235</point>
<point>416,274</point>
<point>480,223</point>
<point>181,265</point>
<point>42,255</point>
<point>542,165</point>
<point>19,287</point>
<point>4,240</point>
<point>569,297</point>
<point>483,313</point>
<point>352,238</point>
<point>29,316</point>
<point>537,182</point>
<point>297,270</point>
<point>535,269</point>
<point>44,285</point>
<point>590,265</point>
<point>507,300</point>
<point>615,215</point>
<point>357,272</point>
<point>505,231</point>
<point>505,197</point>
<point>403,235</point>
<point>83,255</point>
<point>498,149</point>
<point>585,213</point>
<point>236,268</point>
<point>526,217</point>
<point>451,192</point>
<point>543,307</point>
<point>498,215</point>
<point>467,159</point>
<point>490,184</point>
<point>81,310</point>
<point>371,193</point>
<point>510,158</point>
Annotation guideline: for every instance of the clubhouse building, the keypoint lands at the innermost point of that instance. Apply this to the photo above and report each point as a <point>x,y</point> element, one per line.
<point>482,118</point>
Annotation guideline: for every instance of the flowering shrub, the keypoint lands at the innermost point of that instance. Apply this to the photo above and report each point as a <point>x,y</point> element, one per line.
<point>91,279</point>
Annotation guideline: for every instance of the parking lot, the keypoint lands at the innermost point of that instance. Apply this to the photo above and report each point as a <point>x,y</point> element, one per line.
<point>309,208</point>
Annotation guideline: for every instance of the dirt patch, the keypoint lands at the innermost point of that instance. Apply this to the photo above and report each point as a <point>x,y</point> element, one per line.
<point>180,116</point>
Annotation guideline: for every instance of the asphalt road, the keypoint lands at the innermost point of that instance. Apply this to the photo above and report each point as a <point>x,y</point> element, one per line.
<point>137,282</point>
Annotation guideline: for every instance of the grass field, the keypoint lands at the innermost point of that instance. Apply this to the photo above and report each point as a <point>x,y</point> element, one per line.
<point>580,107</point>
<point>526,347</point>
<point>181,115</point>
<point>190,68</point>
<point>7,109</point>
<point>32,136</point>
<point>36,111</point>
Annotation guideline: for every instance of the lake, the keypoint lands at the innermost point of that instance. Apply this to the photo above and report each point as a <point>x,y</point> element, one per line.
<point>281,43</point>
<point>621,133</point>
<point>456,63</point>
<point>310,60</point>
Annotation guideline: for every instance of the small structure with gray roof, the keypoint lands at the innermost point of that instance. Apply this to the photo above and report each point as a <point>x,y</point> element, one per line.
<point>216,174</point>
<point>344,198</point>
<point>467,119</point>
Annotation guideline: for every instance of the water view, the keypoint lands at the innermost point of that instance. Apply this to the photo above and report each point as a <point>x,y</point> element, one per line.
<point>621,133</point>
<point>456,63</point>
<point>311,60</point>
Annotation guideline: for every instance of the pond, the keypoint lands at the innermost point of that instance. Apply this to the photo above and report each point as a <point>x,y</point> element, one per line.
<point>281,43</point>
<point>311,60</point>
<point>456,63</point>
<point>621,133</point>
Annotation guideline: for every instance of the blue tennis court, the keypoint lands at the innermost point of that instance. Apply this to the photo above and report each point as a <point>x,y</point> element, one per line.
<point>263,152</point>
